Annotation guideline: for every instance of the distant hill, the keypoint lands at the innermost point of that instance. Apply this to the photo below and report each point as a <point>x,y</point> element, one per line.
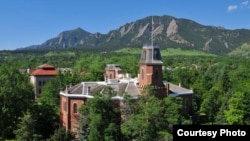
<point>169,32</point>
<point>167,52</point>
<point>243,51</point>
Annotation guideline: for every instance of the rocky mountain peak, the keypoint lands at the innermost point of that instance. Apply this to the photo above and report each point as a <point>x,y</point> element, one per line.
<point>168,32</point>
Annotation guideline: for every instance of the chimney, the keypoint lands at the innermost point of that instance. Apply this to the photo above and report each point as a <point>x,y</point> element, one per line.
<point>66,90</point>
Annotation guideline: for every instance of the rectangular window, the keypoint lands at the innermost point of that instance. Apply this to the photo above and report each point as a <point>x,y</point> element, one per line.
<point>142,74</point>
<point>75,108</point>
<point>88,91</point>
<point>64,106</point>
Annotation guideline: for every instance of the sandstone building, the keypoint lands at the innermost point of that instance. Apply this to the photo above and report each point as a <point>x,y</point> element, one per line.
<point>40,75</point>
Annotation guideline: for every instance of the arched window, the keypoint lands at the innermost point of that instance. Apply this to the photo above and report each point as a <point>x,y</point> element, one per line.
<point>75,108</point>
<point>156,74</point>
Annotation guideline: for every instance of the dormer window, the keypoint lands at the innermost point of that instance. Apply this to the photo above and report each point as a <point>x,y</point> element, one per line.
<point>88,90</point>
<point>157,55</point>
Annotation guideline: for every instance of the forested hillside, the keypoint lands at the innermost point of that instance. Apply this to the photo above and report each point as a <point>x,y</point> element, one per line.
<point>221,88</point>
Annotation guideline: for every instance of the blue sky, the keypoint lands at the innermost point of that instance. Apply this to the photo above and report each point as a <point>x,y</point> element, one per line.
<point>32,22</point>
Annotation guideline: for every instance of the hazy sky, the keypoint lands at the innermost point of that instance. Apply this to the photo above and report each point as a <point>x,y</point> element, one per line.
<point>32,22</point>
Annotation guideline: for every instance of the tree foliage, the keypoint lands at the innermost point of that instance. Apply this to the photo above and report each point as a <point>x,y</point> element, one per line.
<point>236,109</point>
<point>62,135</point>
<point>26,129</point>
<point>153,119</point>
<point>220,83</point>
<point>100,120</point>
<point>16,97</point>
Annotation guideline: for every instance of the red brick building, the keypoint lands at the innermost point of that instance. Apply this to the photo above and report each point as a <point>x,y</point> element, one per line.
<point>151,71</point>
<point>150,74</point>
<point>69,106</point>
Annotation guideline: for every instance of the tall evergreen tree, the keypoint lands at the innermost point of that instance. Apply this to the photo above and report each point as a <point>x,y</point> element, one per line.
<point>26,129</point>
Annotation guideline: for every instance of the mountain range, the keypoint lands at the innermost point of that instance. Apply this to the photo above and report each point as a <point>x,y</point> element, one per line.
<point>167,31</point>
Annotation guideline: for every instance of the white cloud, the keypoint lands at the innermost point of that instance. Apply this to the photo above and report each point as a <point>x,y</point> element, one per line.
<point>245,3</point>
<point>232,8</point>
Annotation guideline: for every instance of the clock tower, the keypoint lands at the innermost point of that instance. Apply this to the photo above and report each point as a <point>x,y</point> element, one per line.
<point>151,71</point>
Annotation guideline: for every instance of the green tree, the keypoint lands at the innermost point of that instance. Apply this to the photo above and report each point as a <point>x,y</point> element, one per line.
<point>235,113</point>
<point>47,119</point>
<point>100,120</point>
<point>62,135</point>
<point>220,117</point>
<point>171,114</point>
<point>16,97</point>
<point>152,118</point>
<point>211,104</point>
<point>226,82</point>
<point>246,102</point>
<point>26,129</point>
<point>148,90</point>
<point>138,125</point>
<point>197,100</point>
<point>186,76</point>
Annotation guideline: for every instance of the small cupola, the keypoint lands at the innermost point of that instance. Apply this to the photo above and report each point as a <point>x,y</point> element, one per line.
<point>150,55</point>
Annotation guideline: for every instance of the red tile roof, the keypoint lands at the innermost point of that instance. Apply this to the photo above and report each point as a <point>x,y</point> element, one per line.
<point>44,70</point>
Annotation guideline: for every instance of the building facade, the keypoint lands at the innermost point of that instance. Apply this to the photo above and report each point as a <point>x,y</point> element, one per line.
<point>151,71</point>
<point>150,74</point>
<point>40,75</point>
